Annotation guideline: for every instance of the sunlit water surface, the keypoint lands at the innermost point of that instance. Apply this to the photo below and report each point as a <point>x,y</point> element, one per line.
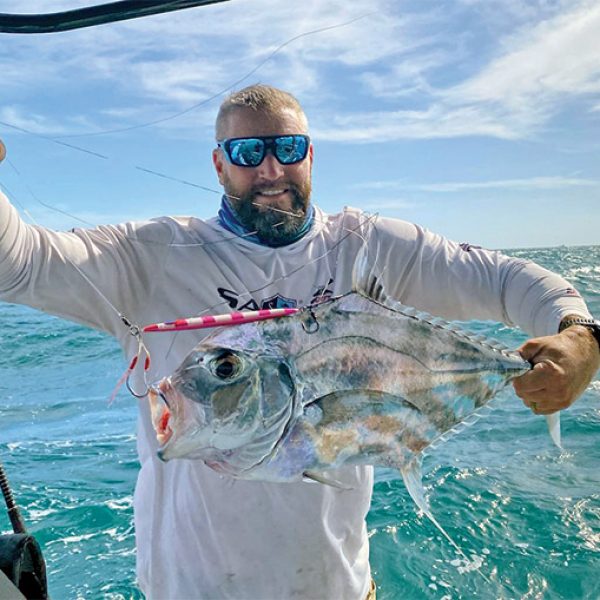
<point>528,514</point>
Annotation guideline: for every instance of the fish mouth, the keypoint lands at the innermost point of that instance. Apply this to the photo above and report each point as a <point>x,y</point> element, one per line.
<point>162,411</point>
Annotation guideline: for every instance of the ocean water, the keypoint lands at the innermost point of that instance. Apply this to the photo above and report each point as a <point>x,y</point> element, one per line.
<point>527,513</point>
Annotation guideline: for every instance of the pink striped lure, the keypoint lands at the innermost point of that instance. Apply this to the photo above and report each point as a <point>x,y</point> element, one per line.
<point>234,318</point>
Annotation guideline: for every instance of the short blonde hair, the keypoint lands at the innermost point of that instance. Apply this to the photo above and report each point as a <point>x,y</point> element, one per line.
<point>259,98</point>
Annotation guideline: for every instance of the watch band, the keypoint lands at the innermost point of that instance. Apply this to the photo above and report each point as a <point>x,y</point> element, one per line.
<point>591,324</point>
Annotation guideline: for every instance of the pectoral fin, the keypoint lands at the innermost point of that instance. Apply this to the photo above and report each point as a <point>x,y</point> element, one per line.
<point>320,478</point>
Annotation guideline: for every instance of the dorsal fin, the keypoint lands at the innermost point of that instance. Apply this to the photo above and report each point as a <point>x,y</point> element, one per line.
<point>367,281</point>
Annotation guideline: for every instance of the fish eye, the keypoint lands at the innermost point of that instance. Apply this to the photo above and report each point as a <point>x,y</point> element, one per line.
<point>226,366</point>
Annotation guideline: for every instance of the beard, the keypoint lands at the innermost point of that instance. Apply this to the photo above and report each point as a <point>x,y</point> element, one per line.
<point>271,224</point>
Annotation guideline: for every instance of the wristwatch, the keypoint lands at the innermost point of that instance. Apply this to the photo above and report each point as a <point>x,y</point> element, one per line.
<point>591,324</point>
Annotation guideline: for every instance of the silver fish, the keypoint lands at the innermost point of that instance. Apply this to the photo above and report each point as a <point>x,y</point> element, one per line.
<point>358,379</point>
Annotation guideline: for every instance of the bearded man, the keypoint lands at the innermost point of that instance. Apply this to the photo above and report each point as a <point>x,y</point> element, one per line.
<point>200,534</point>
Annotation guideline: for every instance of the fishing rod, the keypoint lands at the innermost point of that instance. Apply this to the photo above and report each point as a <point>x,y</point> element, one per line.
<point>22,566</point>
<point>90,16</point>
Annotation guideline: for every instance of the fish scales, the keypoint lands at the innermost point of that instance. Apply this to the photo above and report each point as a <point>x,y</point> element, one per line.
<point>356,380</point>
<point>353,380</point>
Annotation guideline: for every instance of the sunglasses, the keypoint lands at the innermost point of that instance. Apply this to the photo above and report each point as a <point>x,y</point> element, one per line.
<point>251,151</point>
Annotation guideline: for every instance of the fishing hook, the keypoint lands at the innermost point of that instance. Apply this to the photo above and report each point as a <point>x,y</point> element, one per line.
<point>132,391</point>
<point>311,324</point>
<point>136,332</point>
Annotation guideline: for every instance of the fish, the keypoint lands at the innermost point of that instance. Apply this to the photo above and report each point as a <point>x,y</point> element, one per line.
<point>355,379</point>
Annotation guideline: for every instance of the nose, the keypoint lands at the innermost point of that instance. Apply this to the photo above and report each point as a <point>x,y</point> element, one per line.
<point>270,168</point>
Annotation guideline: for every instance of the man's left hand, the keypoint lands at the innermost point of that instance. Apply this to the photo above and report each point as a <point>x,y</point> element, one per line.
<point>563,366</point>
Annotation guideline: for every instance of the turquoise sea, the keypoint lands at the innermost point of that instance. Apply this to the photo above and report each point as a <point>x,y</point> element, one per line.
<point>528,513</point>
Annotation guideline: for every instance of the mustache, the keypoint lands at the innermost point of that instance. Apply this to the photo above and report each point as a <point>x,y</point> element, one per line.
<point>297,209</point>
<point>283,186</point>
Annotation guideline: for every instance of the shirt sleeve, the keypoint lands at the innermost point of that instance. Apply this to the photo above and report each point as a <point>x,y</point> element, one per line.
<point>86,275</point>
<point>459,281</point>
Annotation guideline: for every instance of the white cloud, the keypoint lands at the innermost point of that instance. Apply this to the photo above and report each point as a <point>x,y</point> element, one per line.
<point>167,63</point>
<point>35,123</point>
<point>542,68</point>
<point>435,122</point>
<point>531,183</point>
<point>403,69</point>
<point>555,57</point>
<point>387,204</point>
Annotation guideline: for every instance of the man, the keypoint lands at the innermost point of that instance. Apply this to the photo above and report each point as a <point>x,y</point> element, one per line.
<point>203,535</point>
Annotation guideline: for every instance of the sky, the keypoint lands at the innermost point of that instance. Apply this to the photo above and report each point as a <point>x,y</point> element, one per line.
<point>478,119</point>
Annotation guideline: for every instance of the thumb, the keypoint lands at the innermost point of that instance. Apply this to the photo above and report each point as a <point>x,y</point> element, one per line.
<point>539,366</point>
<point>530,349</point>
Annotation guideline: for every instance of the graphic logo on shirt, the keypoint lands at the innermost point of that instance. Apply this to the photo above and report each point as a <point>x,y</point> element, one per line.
<point>237,301</point>
<point>279,301</point>
<point>322,293</point>
<point>468,247</point>
<point>572,292</point>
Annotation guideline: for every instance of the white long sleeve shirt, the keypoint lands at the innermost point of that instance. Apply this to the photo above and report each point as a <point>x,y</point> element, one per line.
<point>200,534</point>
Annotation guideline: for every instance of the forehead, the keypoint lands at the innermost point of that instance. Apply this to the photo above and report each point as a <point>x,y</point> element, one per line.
<point>245,122</point>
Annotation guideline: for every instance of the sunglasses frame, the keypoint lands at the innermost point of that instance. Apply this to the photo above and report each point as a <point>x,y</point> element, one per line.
<point>269,142</point>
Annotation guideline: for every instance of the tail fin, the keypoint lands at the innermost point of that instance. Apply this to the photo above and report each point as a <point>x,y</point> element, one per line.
<point>553,421</point>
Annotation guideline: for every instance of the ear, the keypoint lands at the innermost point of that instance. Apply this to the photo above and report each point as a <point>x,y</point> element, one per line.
<point>219,163</point>
<point>311,152</point>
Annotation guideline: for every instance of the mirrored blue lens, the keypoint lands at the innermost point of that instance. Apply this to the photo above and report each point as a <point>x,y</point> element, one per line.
<point>250,152</point>
<point>291,149</point>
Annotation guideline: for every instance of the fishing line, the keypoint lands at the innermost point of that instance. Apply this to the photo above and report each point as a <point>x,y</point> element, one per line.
<point>135,329</point>
<point>225,89</point>
<point>37,199</point>
<point>58,139</point>
<point>370,219</point>
<point>139,168</point>
<point>13,198</point>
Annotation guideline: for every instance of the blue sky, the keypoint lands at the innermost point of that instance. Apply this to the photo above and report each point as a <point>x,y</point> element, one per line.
<point>478,119</point>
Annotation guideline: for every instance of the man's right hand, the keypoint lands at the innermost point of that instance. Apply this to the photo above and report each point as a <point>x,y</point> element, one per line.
<point>2,151</point>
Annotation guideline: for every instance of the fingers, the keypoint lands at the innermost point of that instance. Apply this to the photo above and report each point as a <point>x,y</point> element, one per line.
<point>539,409</point>
<point>541,389</point>
<point>2,151</point>
<point>563,366</point>
<point>531,348</point>
<point>535,380</point>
